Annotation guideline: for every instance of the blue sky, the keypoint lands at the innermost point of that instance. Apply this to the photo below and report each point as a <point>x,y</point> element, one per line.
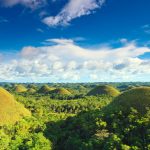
<point>74,40</point>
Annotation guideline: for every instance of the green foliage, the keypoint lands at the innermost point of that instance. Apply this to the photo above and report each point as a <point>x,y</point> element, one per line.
<point>25,134</point>
<point>96,130</point>
<point>46,104</point>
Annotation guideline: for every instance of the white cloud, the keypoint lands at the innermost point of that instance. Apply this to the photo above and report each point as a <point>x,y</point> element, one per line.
<point>123,41</point>
<point>66,61</point>
<point>33,4</point>
<point>94,76</point>
<point>61,41</point>
<point>72,10</point>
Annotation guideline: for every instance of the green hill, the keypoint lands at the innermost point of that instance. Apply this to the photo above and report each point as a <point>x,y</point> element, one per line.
<point>61,91</point>
<point>20,88</point>
<point>104,90</point>
<point>73,91</point>
<point>46,89</point>
<point>10,110</point>
<point>31,90</point>
<point>83,89</point>
<point>138,98</point>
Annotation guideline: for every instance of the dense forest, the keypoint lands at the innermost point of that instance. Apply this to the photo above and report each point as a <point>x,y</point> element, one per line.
<point>81,116</point>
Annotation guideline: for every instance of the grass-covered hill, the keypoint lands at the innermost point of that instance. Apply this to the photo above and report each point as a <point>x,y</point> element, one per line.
<point>104,90</point>
<point>61,91</point>
<point>46,89</point>
<point>10,110</point>
<point>138,98</point>
<point>20,88</point>
<point>31,90</point>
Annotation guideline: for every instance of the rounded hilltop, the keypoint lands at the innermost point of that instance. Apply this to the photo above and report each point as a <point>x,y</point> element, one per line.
<point>61,91</point>
<point>46,89</point>
<point>20,88</point>
<point>104,90</point>
<point>31,90</point>
<point>10,110</point>
<point>138,98</point>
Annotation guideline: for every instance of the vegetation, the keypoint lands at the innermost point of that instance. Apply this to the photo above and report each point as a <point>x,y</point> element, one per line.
<point>104,90</point>
<point>76,120</point>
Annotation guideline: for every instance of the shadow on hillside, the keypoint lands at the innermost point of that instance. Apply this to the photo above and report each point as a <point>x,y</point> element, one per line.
<point>97,129</point>
<point>74,132</point>
<point>120,123</point>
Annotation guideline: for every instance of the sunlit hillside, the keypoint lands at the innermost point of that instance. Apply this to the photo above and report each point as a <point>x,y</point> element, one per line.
<point>10,110</point>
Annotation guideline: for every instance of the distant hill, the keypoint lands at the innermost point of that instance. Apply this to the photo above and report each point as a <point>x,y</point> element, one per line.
<point>46,89</point>
<point>20,88</point>
<point>104,90</point>
<point>138,98</point>
<point>10,110</point>
<point>130,87</point>
<point>61,91</point>
<point>83,89</point>
<point>33,86</point>
<point>72,91</point>
<point>31,90</point>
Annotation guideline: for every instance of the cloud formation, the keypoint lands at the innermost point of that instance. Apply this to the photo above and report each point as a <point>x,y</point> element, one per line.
<point>65,61</point>
<point>73,9</point>
<point>33,4</point>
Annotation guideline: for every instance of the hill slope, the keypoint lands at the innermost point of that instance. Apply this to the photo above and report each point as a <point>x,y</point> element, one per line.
<point>31,90</point>
<point>20,89</point>
<point>138,98</point>
<point>10,110</point>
